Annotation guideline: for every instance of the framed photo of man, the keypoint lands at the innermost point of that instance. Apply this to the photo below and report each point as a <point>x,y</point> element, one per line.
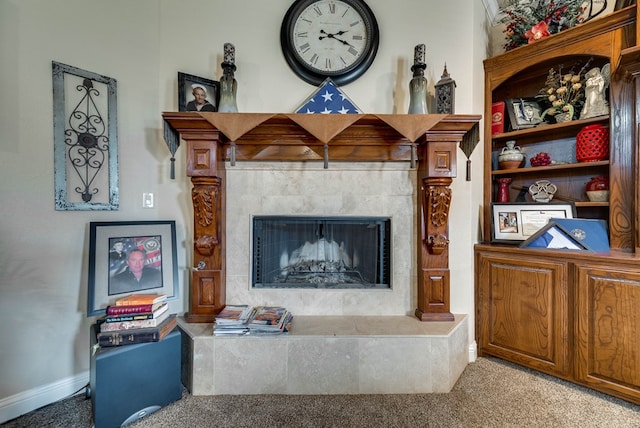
<point>130,257</point>
<point>523,113</point>
<point>197,93</point>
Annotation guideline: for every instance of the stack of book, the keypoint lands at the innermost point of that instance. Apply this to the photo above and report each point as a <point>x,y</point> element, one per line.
<point>232,320</point>
<point>270,320</point>
<point>244,319</point>
<point>136,318</point>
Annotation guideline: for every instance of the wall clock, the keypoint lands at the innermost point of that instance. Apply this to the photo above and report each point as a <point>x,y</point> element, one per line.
<point>329,38</point>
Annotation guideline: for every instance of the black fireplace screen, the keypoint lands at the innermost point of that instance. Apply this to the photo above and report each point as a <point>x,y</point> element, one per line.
<point>321,252</point>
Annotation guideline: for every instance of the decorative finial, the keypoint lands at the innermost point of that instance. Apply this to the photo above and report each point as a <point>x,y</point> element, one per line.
<point>445,73</point>
<point>418,56</point>
<point>229,53</point>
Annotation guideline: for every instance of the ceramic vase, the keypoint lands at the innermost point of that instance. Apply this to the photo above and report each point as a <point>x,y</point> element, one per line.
<point>511,156</point>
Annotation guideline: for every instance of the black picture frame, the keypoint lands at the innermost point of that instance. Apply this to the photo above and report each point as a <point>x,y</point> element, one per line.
<point>186,83</point>
<point>523,113</point>
<point>157,239</point>
<point>514,222</point>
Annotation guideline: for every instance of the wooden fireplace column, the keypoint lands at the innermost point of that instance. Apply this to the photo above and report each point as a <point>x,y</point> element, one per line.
<point>429,140</point>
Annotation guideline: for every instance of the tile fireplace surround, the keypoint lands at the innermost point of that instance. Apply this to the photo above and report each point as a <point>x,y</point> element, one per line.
<point>396,166</point>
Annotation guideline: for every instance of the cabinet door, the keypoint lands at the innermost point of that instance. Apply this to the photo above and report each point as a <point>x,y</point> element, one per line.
<point>608,329</point>
<point>523,310</point>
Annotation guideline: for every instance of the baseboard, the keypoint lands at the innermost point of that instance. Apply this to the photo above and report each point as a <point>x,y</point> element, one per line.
<point>27,401</point>
<point>473,351</point>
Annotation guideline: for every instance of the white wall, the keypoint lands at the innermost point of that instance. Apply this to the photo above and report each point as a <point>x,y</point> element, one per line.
<point>143,44</point>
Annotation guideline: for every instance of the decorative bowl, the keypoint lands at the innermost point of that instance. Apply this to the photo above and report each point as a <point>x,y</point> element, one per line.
<point>598,195</point>
<point>510,164</point>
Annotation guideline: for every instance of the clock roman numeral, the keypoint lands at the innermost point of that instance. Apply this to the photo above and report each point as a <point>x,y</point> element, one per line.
<point>304,48</point>
<point>353,24</point>
<point>327,64</point>
<point>314,59</point>
<point>332,8</point>
<point>353,51</point>
<point>302,34</point>
<point>317,10</point>
<point>357,37</point>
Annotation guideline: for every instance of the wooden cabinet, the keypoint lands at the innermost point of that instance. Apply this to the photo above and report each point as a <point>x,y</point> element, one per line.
<point>575,315</point>
<point>607,325</point>
<point>572,315</point>
<point>523,303</point>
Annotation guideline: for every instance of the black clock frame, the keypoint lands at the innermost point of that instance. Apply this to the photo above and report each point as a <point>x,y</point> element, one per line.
<point>342,77</point>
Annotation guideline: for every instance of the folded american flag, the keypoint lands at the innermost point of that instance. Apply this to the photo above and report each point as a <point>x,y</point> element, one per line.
<point>328,99</point>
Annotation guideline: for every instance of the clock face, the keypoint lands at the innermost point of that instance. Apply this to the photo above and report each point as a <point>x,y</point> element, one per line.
<point>329,38</point>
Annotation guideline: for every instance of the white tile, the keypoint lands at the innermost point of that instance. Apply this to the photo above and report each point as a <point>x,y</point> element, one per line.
<point>246,365</point>
<point>323,365</point>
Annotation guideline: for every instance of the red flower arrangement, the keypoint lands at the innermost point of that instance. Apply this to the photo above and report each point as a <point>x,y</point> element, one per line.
<point>528,21</point>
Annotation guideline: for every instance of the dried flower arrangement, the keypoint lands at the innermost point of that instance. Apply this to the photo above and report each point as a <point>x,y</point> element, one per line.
<point>564,92</point>
<point>528,21</point>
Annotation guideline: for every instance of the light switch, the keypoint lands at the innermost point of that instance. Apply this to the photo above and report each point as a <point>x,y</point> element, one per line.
<point>147,200</point>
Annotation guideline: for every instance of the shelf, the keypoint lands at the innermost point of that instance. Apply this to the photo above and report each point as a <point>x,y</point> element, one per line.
<point>580,204</point>
<point>549,168</point>
<point>549,131</point>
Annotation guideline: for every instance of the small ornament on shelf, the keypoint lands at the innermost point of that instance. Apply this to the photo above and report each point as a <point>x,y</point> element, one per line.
<point>540,159</point>
<point>446,94</point>
<point>597,189</point>
<point>542,191</point>
<point>596,84</point>
<point>592,143</point>
<point>511,156</point>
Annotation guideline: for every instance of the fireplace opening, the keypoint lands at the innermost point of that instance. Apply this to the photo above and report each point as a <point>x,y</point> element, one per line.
<point>321,252</point>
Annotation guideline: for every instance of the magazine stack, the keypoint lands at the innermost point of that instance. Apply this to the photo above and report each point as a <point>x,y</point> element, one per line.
<point>237,320</point>
<point>136,318</point>
<point>232,320</point>
<point>270,320</point>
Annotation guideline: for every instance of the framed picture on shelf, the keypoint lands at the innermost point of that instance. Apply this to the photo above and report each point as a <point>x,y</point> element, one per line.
<point>130,257</point>
<point>197,93</point>
<point>515,222</point>
<point>523,113</point>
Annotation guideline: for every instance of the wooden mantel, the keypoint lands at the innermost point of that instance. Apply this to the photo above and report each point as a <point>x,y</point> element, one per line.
<point>429,142</point>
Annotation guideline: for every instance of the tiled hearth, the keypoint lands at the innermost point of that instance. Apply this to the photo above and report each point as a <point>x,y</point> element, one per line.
<point>329,355</point>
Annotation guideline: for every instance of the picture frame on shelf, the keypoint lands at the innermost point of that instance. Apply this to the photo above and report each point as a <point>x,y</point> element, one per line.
<point>523,113</point>
<point>514,222</point>
<point>187,87</point>
<point>121,251</point>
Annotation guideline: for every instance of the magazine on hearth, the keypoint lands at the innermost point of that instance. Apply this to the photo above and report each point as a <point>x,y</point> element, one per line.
<point>270,320</point>
<point>232,320</point>
<point>244,319</point>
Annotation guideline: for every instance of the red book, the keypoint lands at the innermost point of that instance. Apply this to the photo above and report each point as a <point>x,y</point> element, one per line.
<point>497,118</point>
<point>133,309</point>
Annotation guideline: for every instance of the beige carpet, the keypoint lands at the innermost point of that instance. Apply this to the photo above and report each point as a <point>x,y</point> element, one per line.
<point>490,393</point>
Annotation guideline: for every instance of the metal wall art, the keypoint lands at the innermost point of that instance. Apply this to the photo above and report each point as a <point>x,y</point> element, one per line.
<point>85,140</point>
